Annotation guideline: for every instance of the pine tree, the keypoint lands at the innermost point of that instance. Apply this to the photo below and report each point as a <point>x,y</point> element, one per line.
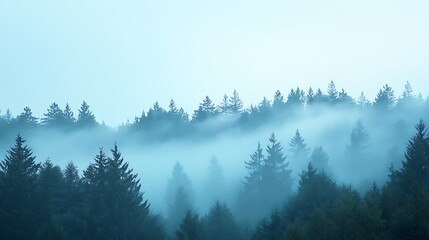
<point>224,107</point>
<point>414,173</point>
<point>18,179</point>
<point>254,166</point>
<point>359,141</point>
<point>220,224</point>
<point>385,99</point>
<point>54,117</point>
<point>26,118</point>
<point>205,111</point>
<point>279,101</point>
<point>117,209</point>
<point>296,98</point>
<point>345,99</point>
<point>215,184</point>
<point>319,159</point>
<point>179,197</point>
<point>69,118</point>
<point>86,118</point>
<point>235,103</point>
<point>310,96</point>
<point>332,92</point>
<point>50,189</point>
<point>191,228</point>
<point>299,150</point>
<point>276,181</point>
<point>363,102</point>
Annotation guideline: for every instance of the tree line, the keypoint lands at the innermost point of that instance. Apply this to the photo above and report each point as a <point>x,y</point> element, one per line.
<point>160,123</point>
<point>43,201</point>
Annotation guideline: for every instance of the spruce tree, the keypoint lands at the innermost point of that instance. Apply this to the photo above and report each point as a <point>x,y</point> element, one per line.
<point>220,224</point>
<point>18,182</point>
<point>299,150</point>
<point>191,228</point>
<point>54,117</point>
<point>385,99</point>
<point>85,118</point>
<point>235,103</point>
<point>179,197</point>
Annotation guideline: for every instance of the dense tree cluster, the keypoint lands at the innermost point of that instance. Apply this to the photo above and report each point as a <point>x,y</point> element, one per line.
<point>39,200</point>
<point>159,123</point>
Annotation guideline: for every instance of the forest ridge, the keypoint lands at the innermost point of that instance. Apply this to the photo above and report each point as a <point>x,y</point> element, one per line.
<point>40,200</point>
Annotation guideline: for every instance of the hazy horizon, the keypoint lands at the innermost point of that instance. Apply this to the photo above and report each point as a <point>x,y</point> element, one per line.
<point>122,57</point>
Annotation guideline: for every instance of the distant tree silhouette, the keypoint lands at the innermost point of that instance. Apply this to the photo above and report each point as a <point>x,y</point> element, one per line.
<point>54,116</point>
<point>319,159</point>
<point>332,93</point>
<point>385,99</point>
<point>179,197</point>
<point>85,118</point>
<point>299,150</point>
<point>205,111</point>
<point>224,107</point>
<point>220,224</point>
<point>279,101</point>
<point>191,228</point>
<point>235,103</point>
<point>69,119</point>
<point>26,119</point>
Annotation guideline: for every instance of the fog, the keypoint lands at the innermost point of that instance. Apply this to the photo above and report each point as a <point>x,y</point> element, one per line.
<point>231,144</point>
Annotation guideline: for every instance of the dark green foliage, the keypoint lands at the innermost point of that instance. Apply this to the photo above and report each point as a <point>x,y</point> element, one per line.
<point>18,182</point>
<point>115,204</point>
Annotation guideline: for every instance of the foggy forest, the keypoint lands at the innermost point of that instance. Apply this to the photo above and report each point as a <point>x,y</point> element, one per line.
<point>301,164</point>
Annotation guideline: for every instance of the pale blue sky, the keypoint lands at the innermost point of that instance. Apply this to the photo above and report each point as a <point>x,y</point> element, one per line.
<point>122,56</point>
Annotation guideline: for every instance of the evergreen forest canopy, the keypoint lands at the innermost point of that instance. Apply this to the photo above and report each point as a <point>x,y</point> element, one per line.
<point>309,165</point>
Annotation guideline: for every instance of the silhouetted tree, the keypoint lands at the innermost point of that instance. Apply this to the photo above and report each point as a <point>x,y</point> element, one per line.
<point>295,99</point>
<point>385,99</point>
<point>69,119</point>
<point>299,151</point>
<point>85,118</point>
<point>224,107</point>
<point>220,224</point>
<point>215,184</point>
<point>26,118</point>
<point>179,197</point>
<point>363,102</point>
<point>279,101</point>
<point>235,103</point>
<point>54,116</point>
<point>18,179</point>
<point>116,206</point>
<point>276,180</point>
<point>191,228</point>
<point>319,159</point>
<point>206,110</point>
<point>332,92</point>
